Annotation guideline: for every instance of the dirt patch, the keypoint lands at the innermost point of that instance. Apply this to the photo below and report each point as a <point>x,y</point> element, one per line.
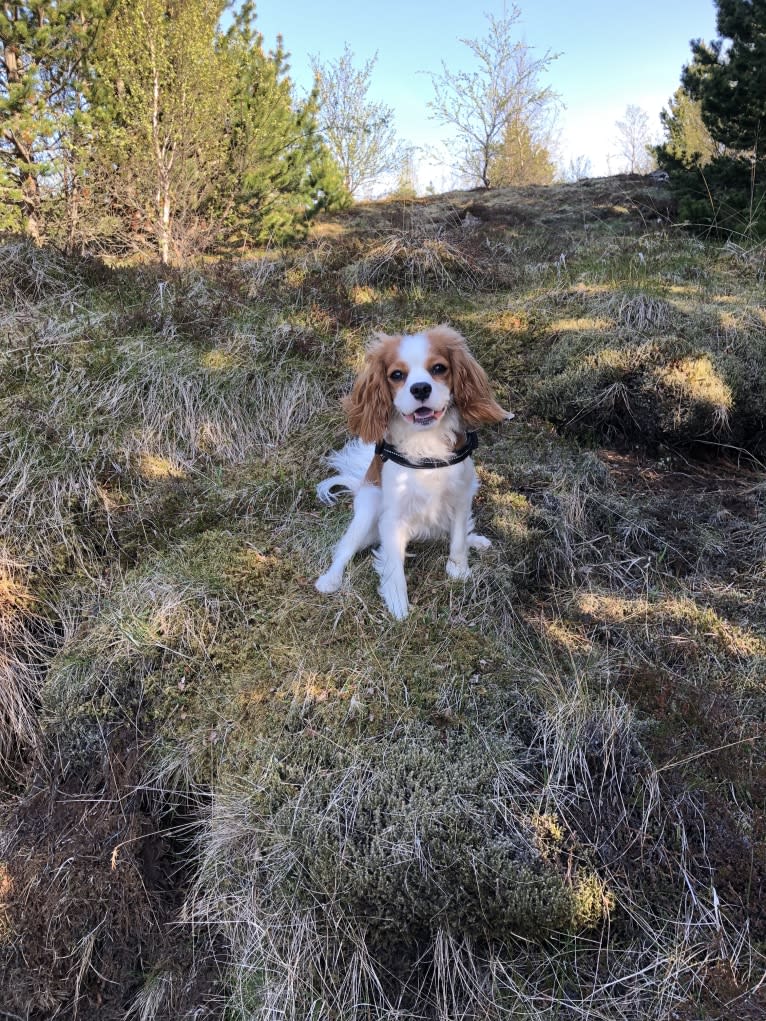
<point>717,776</point>
<point>91,894</point>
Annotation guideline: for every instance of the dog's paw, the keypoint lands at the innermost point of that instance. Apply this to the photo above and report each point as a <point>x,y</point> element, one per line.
<point>396,601</point>
<point>480,542</point>
<point>458,571</point>
<point>328,582</point>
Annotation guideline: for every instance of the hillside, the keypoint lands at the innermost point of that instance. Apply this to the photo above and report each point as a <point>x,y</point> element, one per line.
<point>544,794</point>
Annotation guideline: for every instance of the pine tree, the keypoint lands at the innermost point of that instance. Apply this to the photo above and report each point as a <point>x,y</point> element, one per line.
<point>728,77</point>
<point>521,159</point>
<point>278,172</point>
<point>138,125</point>
<point>43,73</point>
<point>688,141</point>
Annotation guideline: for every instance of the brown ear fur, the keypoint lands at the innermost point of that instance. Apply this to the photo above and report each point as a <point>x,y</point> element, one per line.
<point>368,406</point>
<point>470,385</point>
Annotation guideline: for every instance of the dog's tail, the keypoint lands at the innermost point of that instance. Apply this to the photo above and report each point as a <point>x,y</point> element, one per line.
<point>351,463</point>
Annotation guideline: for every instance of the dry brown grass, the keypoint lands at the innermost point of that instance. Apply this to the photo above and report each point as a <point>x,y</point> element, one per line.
<point>541,795</point>
<point>417,261</point>
<point>26,642</point>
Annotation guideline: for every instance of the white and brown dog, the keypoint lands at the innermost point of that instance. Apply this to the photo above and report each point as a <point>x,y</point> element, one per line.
<point>413,408</point>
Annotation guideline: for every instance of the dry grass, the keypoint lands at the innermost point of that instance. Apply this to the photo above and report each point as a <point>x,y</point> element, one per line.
<point>540,796</point>
<point>82,442</point>
<point>417,261</point>
<point>344,921</point>
<point>37,274</point>
<point>26,643</point>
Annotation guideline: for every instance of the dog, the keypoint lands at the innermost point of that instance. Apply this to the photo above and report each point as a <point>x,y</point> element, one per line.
<point>413,409</point>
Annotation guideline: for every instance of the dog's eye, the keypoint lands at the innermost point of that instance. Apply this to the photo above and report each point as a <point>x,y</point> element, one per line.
<point>438,369</point>
<point>396,376</point>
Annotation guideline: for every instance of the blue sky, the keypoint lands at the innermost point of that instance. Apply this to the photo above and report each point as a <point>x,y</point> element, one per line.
<point>611,54</point>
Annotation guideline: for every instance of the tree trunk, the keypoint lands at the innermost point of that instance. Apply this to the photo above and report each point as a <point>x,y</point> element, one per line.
<point>165,225</point>
<point>30,190</point>
<point>163,155</point>
<point>30,205</point>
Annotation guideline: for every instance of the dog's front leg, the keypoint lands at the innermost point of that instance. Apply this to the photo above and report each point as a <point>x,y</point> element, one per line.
<point>457,564</point>
<point>389,561</point>
<point>362,532</point>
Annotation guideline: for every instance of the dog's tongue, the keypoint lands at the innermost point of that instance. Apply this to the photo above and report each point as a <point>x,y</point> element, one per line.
<point>423,413</point>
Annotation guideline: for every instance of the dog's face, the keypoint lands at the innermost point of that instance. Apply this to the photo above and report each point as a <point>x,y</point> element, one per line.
<point>419,377</point>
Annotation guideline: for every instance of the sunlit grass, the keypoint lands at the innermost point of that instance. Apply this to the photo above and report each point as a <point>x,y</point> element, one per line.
<point>497,808</point>
<point>567,324</point>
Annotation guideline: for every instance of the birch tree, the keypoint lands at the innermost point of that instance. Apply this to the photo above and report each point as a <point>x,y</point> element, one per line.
<point>634,141</point>
<point>482,105</point>
<point>161,105</point>
<point>359,132</point>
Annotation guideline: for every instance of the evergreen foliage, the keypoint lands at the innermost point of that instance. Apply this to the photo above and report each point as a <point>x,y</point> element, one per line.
<point>522,158</point>
<point>43,74</point>
<point>688,141</point>
<point>728,76</point>
<point>278,172</point>
<point>139,126</point>
<point>714,146</point>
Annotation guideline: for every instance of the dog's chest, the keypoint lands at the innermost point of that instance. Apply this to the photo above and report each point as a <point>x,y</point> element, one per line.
<point>426,499</point>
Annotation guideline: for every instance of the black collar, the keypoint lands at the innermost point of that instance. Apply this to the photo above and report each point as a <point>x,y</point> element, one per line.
<point>389,453</point>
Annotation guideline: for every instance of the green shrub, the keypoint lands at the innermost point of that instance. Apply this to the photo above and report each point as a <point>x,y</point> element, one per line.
<point>413,835</point>
<point>723,199</point>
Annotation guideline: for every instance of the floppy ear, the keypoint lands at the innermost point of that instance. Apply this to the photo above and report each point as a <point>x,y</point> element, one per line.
<point>369,404</point>
<point>470,386</point>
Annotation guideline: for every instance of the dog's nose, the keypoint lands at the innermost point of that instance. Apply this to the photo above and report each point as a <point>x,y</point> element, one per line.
<point>420,391</point>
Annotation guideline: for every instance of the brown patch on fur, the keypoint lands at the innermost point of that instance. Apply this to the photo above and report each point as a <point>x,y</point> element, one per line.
<point>470,385</point>
<point>369,404</point>
<point>374,472</point>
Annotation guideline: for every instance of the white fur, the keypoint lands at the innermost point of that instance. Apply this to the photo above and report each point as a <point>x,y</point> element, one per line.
<point>352,463</point>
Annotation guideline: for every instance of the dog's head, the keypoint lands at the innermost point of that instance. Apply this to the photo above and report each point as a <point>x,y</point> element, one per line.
<point>419,377</point>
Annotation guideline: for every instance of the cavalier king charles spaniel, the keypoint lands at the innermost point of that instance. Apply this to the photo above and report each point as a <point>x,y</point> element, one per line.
<point>414,408</point>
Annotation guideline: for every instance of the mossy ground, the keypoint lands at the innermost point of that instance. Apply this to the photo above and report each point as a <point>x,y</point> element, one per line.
<point>544,791</point>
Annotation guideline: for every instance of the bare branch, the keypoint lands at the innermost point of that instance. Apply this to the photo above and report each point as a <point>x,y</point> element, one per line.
<point>505,90</point>
<point>359,133</point>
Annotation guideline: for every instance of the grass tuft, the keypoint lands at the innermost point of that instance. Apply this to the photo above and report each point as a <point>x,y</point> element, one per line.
<point>417,261</point>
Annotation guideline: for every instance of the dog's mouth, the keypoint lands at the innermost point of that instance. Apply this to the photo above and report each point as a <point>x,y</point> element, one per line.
<point>424,416</point>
